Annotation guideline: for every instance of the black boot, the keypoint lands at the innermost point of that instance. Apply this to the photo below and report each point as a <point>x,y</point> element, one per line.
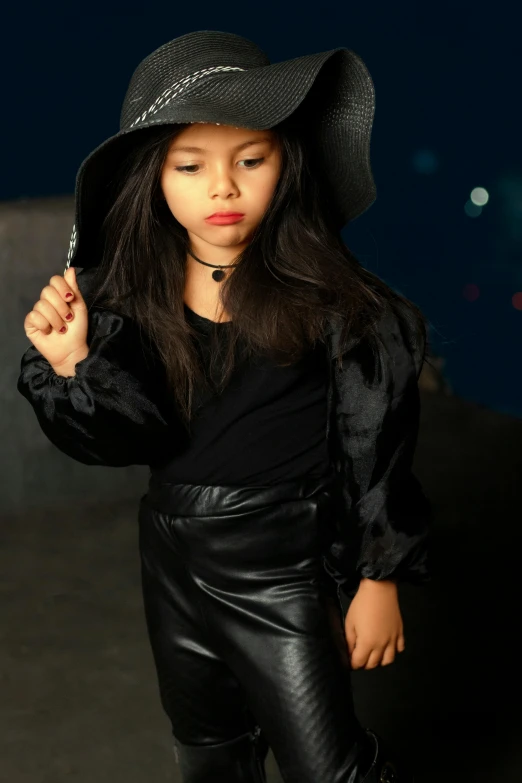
<point>241,760</point>
<point>386,767</point>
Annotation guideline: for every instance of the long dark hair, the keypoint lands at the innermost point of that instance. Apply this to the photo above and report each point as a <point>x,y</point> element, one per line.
<point>295,274</point>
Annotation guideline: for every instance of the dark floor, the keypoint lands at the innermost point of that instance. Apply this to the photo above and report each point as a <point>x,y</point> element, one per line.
<point>79,698</point>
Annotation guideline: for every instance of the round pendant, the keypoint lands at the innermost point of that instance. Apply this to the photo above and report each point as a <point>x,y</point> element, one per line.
<point>218,275</point>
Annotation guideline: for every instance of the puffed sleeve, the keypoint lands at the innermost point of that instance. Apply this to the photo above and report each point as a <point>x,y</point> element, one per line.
<point>384,519</point>
<point>115,410</point>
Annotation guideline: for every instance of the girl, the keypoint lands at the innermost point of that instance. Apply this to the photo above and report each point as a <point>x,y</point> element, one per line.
<point>220,332</point>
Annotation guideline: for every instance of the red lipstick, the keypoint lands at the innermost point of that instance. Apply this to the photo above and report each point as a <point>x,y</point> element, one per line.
<point>224,217</point>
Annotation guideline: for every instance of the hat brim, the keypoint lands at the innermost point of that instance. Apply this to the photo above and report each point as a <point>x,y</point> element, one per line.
<point>239,98</point>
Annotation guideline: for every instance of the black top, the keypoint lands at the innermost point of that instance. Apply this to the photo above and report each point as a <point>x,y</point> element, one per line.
<point>269,424</point>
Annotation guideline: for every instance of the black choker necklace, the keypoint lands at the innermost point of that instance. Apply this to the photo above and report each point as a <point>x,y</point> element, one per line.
<point>218,275</point>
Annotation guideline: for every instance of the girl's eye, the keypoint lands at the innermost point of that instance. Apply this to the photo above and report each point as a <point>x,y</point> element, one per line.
<point>185,169</point>
<point>252,160</point>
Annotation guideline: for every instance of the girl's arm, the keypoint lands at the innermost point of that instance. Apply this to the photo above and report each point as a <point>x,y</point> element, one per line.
<point>113,411</point>
<point>386,528</point>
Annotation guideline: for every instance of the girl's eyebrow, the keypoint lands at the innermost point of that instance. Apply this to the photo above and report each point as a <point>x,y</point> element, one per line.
<point>239,146</point>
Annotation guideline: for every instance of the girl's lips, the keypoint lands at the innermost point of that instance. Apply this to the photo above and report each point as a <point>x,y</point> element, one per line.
<point>222,220</point>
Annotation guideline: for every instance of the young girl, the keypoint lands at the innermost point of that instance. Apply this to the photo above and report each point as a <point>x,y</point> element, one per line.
<point>220,332</point>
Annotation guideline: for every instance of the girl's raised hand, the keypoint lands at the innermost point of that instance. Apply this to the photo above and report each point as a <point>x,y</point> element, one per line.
<point>55,310</point>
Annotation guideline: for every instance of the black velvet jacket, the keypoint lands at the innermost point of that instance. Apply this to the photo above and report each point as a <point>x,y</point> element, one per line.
<point>115,412</point>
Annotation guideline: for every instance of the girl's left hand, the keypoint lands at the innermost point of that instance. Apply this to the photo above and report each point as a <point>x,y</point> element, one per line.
<point>373,625</point>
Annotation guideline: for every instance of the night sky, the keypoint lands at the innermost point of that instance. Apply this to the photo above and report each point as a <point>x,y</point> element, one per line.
<point>447,122</point>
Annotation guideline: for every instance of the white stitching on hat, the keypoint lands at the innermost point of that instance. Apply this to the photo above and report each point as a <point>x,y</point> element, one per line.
<point>156,106</point>
<point>72,245</point>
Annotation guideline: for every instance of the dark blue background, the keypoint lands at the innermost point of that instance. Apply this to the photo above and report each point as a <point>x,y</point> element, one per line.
<point>447,84</point>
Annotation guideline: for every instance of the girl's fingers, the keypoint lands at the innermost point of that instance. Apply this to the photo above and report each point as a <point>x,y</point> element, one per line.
<point>374,659</point>
<point>349,632</point>
<point>58,325</point>
<point>63,286</point>
<point>360,657</point>
<point>37,322</point>
<point>51,295</point>
<point>389,655</point>
<point>69,279</point>
<point>48,311</point>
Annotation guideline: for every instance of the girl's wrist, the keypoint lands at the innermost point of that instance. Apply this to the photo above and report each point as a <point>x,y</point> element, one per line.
<point>381,584</point>
<point>67,368</point>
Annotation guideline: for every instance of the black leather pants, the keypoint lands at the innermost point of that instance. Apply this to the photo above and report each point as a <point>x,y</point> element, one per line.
<point>247,634</point>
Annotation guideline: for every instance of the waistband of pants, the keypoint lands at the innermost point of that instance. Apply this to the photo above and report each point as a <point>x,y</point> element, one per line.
<point>204,499</point>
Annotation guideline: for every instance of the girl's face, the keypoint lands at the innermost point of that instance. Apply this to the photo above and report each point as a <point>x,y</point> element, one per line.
<point>233,169</point>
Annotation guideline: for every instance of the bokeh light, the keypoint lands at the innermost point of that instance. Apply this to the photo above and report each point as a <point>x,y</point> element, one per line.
<point>479,196</point>
<point>517,300</point>
<point>471,209</point>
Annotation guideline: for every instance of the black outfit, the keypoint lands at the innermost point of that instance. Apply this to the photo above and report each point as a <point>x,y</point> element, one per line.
<point>292,486</point>
<point>233,583</point>
<point>238,535</point>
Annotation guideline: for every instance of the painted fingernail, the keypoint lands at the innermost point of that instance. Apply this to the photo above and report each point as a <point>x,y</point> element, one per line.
<point>63,329</point>
<point>68,316</point>
<point>68,295</point>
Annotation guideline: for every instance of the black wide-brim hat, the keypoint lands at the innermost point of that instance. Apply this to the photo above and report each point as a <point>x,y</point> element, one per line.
<point>223,78</point>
